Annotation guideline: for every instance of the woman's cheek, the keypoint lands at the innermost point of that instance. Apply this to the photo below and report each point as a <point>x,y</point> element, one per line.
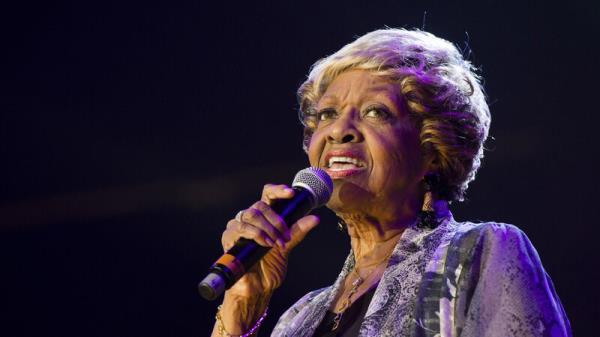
<point>313,162</point>
<point>315,149</point>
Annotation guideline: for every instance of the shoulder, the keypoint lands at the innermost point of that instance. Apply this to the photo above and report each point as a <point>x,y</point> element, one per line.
<point>496,229</point>
<point>493,247</point>
<point>497,253</point>
<point>507,288</point>
<point>492,235</point>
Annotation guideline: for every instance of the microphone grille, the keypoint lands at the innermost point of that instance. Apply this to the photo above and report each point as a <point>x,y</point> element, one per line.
<point>317,181</point>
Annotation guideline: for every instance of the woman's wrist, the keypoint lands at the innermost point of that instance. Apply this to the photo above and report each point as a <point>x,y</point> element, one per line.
<point>220,327</point>
<point>239,314</point>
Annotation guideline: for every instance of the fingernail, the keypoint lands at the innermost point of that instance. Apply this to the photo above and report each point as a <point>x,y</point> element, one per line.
<point>289,190</point>
<point>269,242</point>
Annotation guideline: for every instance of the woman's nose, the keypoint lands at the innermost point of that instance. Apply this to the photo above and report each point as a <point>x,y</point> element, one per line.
<point>344,130</point>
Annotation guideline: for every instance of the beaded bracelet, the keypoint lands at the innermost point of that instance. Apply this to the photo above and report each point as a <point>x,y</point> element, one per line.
<point>250,332</point>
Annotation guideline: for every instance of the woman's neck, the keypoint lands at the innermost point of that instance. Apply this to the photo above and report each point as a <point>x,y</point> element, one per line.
<point>373,240</point>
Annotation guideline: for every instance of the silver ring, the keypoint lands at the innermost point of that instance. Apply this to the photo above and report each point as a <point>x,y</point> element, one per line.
<point>238,216</point>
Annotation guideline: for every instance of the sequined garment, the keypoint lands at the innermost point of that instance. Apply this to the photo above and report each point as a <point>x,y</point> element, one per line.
<point>459,279</point>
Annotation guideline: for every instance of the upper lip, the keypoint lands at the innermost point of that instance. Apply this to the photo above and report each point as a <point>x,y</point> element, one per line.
<point>353,156</point>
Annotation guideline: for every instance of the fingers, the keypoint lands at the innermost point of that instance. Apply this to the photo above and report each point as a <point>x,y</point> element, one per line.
<point>259,223</point>
<point>272,192</point>
<point>236,230</point>
<point>274,223</point>
<point>300,229</point>
<point>260,215</point>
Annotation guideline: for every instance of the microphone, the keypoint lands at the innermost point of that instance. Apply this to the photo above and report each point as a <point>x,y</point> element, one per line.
<point>312,188</point>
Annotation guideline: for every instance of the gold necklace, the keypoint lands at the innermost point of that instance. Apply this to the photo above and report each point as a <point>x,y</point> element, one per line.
<point>347,301</point>
<point>355,285</point>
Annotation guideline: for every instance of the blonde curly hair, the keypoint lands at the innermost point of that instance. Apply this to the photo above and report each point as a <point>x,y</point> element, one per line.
<point>441,91</point>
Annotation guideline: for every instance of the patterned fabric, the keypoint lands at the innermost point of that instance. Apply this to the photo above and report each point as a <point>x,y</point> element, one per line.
<point>459,279</point>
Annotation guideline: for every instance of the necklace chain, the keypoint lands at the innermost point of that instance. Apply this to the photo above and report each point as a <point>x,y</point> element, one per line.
<point>355,285</point>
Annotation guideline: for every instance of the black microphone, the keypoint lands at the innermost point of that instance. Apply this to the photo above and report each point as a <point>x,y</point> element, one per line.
<point>312,188</point>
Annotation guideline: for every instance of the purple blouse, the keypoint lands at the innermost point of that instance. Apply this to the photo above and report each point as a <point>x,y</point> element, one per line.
<point>458,279</point>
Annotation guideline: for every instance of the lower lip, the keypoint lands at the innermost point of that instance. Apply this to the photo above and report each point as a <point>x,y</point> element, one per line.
<point>337,174</point>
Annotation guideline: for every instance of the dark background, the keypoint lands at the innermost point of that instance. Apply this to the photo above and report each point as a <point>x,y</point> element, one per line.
<point>130,132</point>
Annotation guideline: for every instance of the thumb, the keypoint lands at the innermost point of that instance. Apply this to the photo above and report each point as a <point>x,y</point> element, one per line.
<point>300,229</point>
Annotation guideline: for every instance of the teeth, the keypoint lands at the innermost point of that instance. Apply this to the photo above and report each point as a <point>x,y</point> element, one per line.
<point>345,160</point>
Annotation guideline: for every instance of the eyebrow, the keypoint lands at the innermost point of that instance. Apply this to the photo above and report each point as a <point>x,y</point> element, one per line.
<point>395,95</point>
<point>380,88</point>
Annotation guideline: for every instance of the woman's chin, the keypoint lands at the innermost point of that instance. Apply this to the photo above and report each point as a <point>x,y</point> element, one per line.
<point>349,195</point>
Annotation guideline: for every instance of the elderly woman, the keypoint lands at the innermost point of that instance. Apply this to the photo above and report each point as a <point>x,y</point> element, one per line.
<point>398,119</point>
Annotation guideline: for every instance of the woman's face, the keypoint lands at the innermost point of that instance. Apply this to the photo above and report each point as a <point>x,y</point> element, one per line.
<point>366,142</point>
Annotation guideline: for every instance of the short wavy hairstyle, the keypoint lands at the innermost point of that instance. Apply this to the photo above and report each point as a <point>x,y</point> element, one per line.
<point>440,90</point>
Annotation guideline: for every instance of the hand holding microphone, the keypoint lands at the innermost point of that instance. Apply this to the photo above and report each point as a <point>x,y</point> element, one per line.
<point>259,240</point>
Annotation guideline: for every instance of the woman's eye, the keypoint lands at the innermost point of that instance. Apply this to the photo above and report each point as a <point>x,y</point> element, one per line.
<point>377,112</point>
<point>324,115</point>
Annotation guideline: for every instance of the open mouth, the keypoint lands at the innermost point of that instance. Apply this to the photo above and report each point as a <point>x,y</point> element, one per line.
<point>343,164</point>
<point>337,163</point>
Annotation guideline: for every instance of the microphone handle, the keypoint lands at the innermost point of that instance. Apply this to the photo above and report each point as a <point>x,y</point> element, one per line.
<point>246,253</point>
